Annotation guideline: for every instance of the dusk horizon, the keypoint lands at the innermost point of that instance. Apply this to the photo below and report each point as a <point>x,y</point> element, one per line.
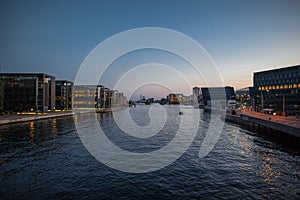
<point>240,37</point>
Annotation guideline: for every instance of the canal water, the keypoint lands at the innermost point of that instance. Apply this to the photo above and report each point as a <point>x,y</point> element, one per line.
<point>46,159</point>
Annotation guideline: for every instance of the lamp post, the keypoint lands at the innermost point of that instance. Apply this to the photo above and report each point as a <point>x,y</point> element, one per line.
<point>262,100</point>
<point>283,106</point>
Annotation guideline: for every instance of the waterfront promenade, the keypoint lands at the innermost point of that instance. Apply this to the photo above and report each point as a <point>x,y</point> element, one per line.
<point>17,118</point>
<point>287,125</point>
<point>288,121</point>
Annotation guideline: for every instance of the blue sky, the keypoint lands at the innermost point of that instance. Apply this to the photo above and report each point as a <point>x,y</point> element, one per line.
<point>241,36</point>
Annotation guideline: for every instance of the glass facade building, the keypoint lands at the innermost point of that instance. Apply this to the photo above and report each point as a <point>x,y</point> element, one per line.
<point>63,98</point>
<point>277,89</point>
<point>97,97</point>
<point>27,92</point>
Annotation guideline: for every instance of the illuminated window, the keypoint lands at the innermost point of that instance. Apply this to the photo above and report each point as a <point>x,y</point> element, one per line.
<point>259,88</point>
<point>286,86</point>
<point>295,85</point>
<point>277,87</point>
<point>281,86</point>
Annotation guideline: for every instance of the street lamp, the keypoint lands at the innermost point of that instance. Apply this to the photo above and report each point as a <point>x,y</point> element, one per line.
<point>283,106</point>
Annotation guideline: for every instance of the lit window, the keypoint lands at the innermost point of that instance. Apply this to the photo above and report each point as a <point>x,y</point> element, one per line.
<point>295,85</point>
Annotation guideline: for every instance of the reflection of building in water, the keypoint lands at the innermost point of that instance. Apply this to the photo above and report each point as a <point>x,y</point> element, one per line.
<point>54,125</point>
<point>31,130</point>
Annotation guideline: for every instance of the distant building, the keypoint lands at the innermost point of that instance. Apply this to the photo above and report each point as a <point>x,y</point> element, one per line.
<point>97,97</point>
<point>277,89</point>
<point>64,92</point>
<point>217,96</point>
<point>100,97</point>
<point>196,95</point>
<point>26,92</point>
<point>175,98</point>
<point>108,97</point>
<point>243,96</point>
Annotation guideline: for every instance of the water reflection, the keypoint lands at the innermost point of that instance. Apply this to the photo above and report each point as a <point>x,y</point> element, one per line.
<point>54,125</point>
<point>270,168</point>
<point>31,131</point>
<point>242,165</point>
<point>75,118</point>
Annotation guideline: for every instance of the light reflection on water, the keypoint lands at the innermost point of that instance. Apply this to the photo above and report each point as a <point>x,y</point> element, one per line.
<point>46,159</point>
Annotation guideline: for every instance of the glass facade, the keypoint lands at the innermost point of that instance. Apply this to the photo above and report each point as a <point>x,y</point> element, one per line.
<point>63,97</point>
<point>26,92</point>
<point>277,89</point>
<point>97,97</point>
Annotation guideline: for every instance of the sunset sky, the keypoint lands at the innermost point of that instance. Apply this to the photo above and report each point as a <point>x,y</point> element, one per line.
<point>240,36</point>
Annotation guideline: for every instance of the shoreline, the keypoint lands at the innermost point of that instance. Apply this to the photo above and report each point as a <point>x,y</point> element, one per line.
<point>20,118</point>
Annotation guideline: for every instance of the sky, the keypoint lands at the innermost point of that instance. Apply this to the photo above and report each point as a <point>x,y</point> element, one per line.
<point>241,37</point>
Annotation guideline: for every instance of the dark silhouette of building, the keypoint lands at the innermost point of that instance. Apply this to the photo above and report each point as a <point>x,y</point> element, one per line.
<point>217,94</point>
<point>64,92</point>
<point>196,96</point>
<point>26,92</point>
<point>277,89</point>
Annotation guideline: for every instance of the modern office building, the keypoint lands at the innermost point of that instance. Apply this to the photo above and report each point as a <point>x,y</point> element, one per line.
<point>100,96</point>
<point>85,97</point>
<point>64,92</point>
<point>277,89</point>
<point>97,97</point>
<point>219,95</point>
<point>27,92</point>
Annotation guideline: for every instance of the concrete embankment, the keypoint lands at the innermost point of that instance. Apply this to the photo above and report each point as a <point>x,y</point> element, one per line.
<point>267,124</point>
<point>9,119</point>
<point>18,118</point>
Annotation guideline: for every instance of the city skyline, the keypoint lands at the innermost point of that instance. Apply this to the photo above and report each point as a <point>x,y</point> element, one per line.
<point>241,37</point>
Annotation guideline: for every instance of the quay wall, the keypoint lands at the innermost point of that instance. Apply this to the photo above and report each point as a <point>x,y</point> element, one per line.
<point>9,119</point>
<point>259,125</point>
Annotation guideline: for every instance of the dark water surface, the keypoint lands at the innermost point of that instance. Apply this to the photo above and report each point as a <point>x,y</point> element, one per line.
<point>46,159</point>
